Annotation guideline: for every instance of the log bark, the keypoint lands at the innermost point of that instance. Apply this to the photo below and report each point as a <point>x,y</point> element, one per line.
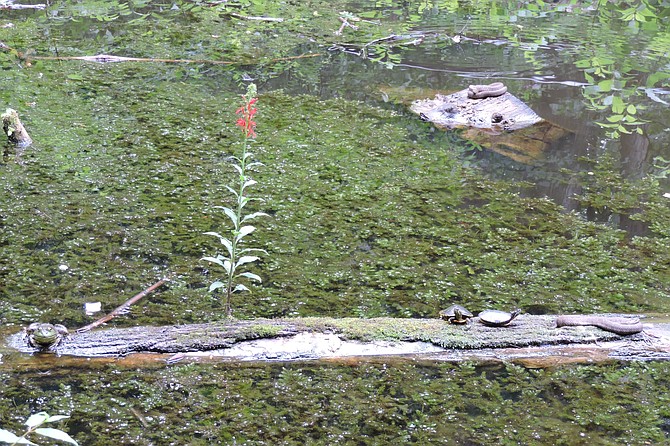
<point>524,331</point>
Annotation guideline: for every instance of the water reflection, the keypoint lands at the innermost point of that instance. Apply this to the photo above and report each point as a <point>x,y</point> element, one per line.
<point>553,86</point>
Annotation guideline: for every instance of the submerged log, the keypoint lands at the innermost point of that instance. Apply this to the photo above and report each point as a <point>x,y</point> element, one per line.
<point>13,128</point>
<point>524,331</point>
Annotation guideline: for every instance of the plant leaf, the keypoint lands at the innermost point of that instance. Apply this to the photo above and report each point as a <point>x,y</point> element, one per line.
<point>8,437</point>
<point>240,287</point>
<point>245,259</point>
<point>254,164</point>
<point>216,285</point>
<point>233,191</point>
<point>229,246</point>
<point>238,168</point>
<point>224,241</point>
<point>56,434</point>
<point>618,105</point>
<point>55,418</point>
<point>244,231</point>
<point>216,260</point>
<point>245,250</point>
<point>254,215</point>
<point>249,183</point>
<point>227,265</point>
<point>605,85</point>
<point>232,215</point>
<point>251,276</point>
<point>36,419</point>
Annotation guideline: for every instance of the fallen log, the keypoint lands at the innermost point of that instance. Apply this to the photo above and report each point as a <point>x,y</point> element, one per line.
<point>524,331</point>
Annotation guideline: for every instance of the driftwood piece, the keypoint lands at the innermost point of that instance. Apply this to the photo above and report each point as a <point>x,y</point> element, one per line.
<point>503,112</point>
<point>503,124</point>
<point>14,129</point>
<point>524,331</point>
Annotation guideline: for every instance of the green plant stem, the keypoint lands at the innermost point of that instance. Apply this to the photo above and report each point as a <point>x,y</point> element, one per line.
<point>240,204</point>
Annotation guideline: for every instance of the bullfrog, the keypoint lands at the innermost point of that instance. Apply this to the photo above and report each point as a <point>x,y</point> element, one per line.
<point>43,336</point>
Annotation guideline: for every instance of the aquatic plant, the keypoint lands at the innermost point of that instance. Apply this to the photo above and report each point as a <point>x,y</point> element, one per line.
<point>237,256</point>
<point>34,422</point>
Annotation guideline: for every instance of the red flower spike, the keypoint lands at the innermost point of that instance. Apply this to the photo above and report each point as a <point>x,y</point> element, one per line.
<point>245,122</point>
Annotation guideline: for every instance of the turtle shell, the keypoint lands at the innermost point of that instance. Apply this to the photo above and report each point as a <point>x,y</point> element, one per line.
<point>449,314</point>
<point>497,318</point>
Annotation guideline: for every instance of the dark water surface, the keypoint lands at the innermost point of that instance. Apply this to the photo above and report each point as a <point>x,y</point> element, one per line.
<point>372,213</point>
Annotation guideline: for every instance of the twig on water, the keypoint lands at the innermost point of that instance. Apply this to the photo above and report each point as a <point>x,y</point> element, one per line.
<point>263,19</point>
<point>107,58</point>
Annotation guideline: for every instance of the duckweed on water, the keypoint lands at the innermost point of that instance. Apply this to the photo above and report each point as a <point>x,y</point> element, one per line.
<point>366,220</point>
<point>374,213</point>
<point>371,403</point>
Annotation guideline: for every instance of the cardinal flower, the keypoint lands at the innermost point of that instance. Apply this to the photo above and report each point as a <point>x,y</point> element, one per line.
<point>247,112</point>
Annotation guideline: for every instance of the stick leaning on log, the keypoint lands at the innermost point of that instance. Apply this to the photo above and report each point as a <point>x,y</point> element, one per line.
<point>123,308</point>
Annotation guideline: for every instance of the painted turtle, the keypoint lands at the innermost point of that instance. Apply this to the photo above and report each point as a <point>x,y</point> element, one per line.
<point>42,335</point>
<point>497,318</point>
<point>456,314</point>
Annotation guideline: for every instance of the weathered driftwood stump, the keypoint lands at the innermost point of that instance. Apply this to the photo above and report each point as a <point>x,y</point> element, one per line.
<point>14,129</point>
<point>472,107</point>
<point>493,118</point>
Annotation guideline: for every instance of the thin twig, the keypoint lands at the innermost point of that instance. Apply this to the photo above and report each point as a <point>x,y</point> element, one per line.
<point>12,6</point>
<point>105,58</point>
<point>263,19</point>
<point>123,308</point>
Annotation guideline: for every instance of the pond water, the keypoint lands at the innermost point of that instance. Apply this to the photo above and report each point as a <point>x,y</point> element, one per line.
<point>372,211</point>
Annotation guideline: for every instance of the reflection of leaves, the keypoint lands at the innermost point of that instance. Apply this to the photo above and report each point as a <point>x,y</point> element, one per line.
<point>638,14</point>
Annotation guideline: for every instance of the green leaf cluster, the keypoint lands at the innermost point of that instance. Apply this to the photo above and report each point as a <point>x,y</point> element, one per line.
<point>34,422</point>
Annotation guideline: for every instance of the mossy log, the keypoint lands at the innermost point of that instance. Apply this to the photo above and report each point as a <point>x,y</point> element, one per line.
<point>14,129</point>
<point>525,331</point>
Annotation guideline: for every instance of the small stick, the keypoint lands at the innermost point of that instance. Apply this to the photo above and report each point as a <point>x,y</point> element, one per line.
<point>14,6</point>
<point>123,308</point>
<point>105,58</point>
<point>246,17</point>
